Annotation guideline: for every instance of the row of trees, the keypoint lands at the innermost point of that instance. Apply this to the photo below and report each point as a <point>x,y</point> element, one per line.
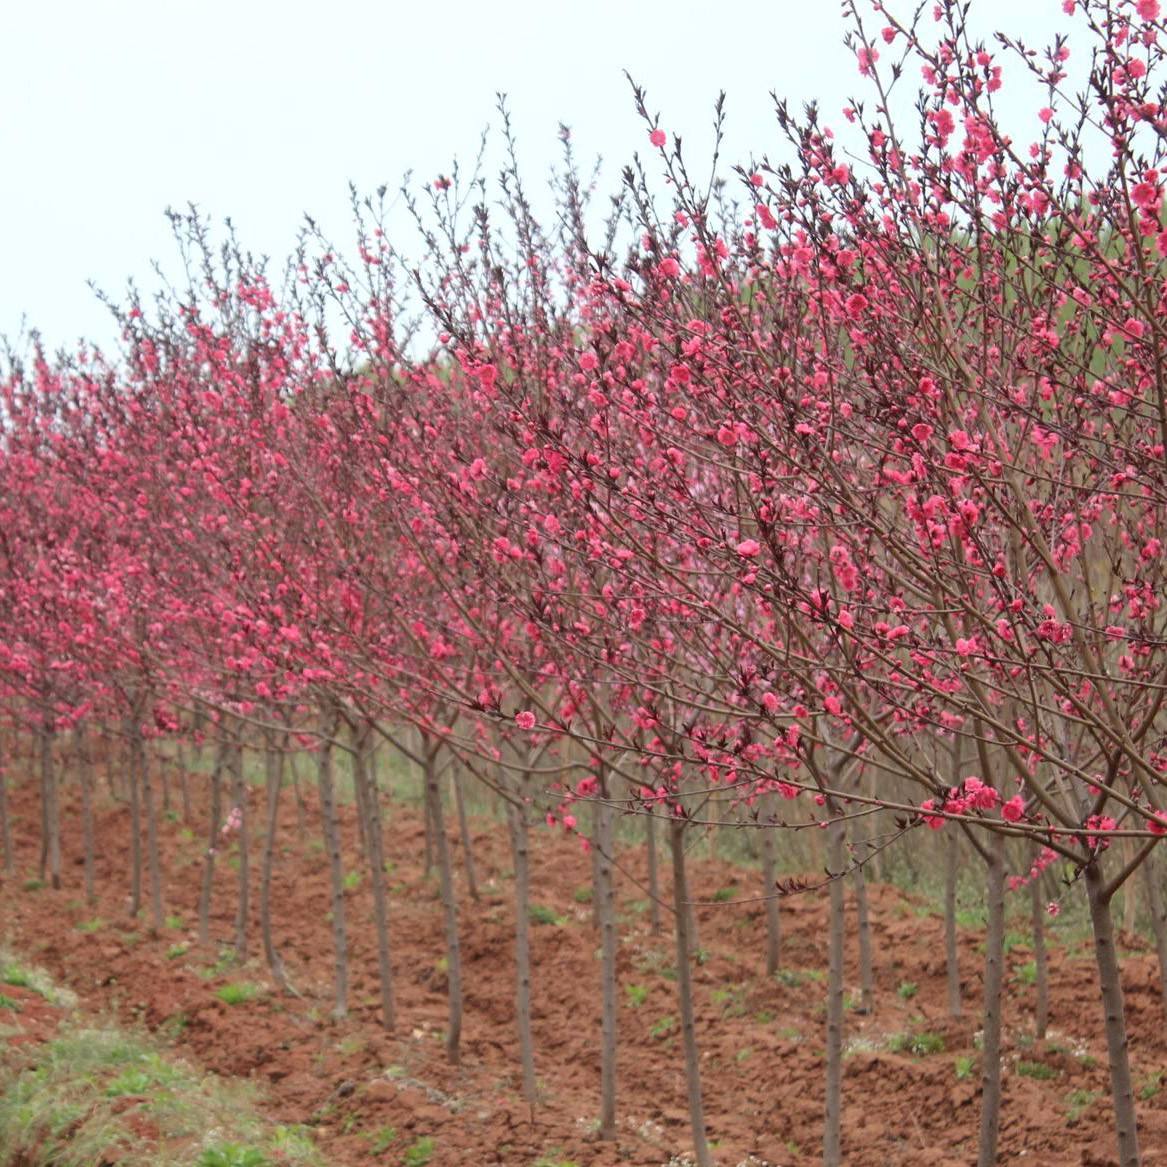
<point>828,489</point>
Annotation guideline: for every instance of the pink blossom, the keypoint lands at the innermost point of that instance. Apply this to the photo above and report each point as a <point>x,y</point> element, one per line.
<point>525,720</point>
<point>658,138</point>
<point>748,548</point>
<point>1013,810</point>
<point>1148,9</point>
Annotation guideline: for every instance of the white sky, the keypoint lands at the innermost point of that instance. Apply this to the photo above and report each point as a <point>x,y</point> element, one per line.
<point>112,110</point>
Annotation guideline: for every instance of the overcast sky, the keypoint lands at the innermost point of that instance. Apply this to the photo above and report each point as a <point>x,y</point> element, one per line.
<point>113,110</point>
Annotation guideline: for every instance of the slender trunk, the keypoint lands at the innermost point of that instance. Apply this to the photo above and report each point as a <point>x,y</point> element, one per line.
<point>951,950</point>
<point>273,773</point>
<point>653,873</point>
<point>836,863</point>
<point>243,906</point>
<point>1157,905</point>
<point>331,829</point>
<point>301,803</point>
<point>369,808</point>
<point>135,777</point>
<point>153,857</point>
<point>866,964</point>
<point>685,993</point>
<point>1130,897</point>
<point>604,897</point>
<point>85,772</point>
<point>51,849</point>
<point>427,815</point>
<point>520,852</point>
<point>433,791</point>
<point>769,885</point>
<point>994,981</point>
<point>164,775</point>
<point>464,832</point>
<point>5,824</point>
<point>1110,983</point>
<point>1040,963</point>
<point>183,782</point>
<point>208,885</point>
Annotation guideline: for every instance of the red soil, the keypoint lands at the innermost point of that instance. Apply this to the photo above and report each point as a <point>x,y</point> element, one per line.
<point>761,1037</point>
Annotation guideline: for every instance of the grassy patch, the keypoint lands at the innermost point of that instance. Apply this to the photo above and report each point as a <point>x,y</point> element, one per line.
<point>723,895</point>
<point>418,1154</point>
<point>1039,1070</point>
<point>1077,1101</point>
<point>906,990</point>
<point>964,1066</point>
<point>94,925</point>
<point>541,914</point>
<point>919,1044</point>
<point>23,976</point>
<point>664,1026</point>
<point>382,1139</point>
<point>238,993</point>
<point>582,895</point>
<point>637,995</point>
<point>88,1095</point>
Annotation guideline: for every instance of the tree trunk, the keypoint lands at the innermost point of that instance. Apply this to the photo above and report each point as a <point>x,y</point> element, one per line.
<point>243,905</point>
<point>1157,903</point>
<point>5,824</point>
<point>685,993</point>
<point>183,781</point>
<point>653,873</point>
<point>331,829</point>
<point>836,863</point>
<point>208,885</point>
<point>994,980</point>
<point>153,857</point>
<point>85,768</point>
<point>433,792</point>
<point>51,847</point>
<point>1121,1090</point>
<point>369,808</point>
<point>866,965</point>
<point>464,833</point>
<point>1040,963</point>
<point>135,825</point>
<point>273,773</point>
<point>951,948</point>
<point>520,851</point>
<point>769,890</point>
<point>604,897</point>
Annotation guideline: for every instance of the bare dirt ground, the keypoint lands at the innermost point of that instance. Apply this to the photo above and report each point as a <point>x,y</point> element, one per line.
<point>761,1037</point>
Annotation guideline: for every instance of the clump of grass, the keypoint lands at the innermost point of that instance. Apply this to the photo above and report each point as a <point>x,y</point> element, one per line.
<point>238,993</point>
<point>637,995</point>
<point>541,914</point>
<point>36,980</point>
<point>94,925</point>
<point>723,895</point>
<point>382,1140</point>
<point>664,1026</point>
<point>920,1044</point>
<point>965,1064</point>
<point>582,894</point>
<point>419,1153</point>
<point>906,990</point>
<point>1037,1070</point>
<point>232,1155</point>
